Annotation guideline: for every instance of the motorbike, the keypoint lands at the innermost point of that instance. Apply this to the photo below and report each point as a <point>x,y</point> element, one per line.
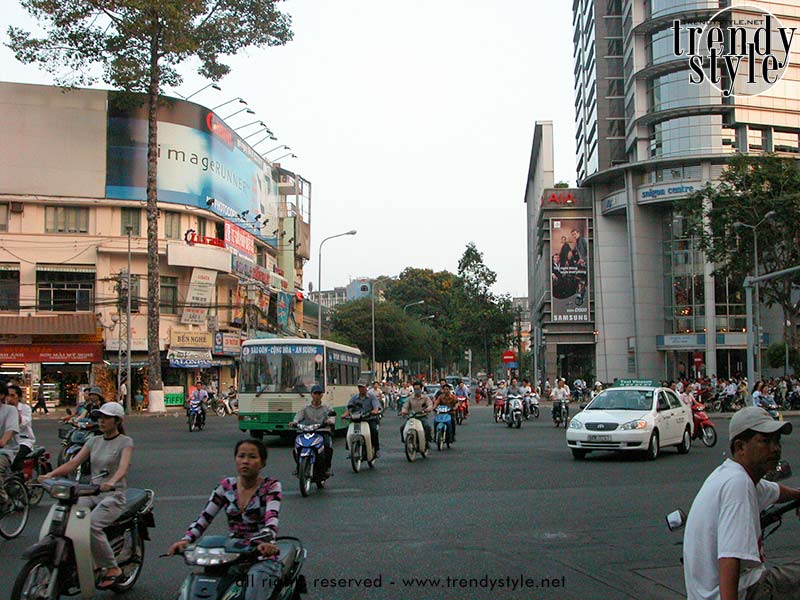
<point>768,404</point>
<point>359,442</point>
<point>225,562</point>
<point>221,405</point>
<point>513,415</point>
<point>499,407</point>
<point>309,454</point>
<point>441,423</point>
<point>61,562</point>
<point>461,410</point>
<point>531,404</point>
<point>35,464</point>
<point>414,437</point>
<point>703,427</point>
<point>73,437</point>
<point>401,402</point>
<point>195,416</point>
<point>560,413</point>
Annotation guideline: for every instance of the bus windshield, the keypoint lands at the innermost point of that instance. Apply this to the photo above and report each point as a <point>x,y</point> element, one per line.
<point>280,368</point>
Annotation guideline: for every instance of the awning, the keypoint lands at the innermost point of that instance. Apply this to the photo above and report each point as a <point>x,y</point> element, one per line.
<point>67,268</point>
<point>77,324</point>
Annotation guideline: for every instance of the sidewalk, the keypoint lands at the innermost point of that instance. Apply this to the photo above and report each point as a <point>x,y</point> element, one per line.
<point>60,413</point>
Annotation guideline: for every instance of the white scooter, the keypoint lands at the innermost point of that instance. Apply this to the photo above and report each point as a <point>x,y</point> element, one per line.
<point>61,562</point>
<point>513,416</point>
<point>359,440</point>
<point>414,437</point>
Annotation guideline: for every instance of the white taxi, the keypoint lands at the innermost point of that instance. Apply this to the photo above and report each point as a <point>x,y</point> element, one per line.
<point>632,416</point>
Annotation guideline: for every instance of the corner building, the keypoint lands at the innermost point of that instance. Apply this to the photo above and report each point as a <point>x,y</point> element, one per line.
<point>233,235</point>
<point>646,136</point>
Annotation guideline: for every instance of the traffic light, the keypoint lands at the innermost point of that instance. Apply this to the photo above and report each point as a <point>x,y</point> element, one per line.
<point>468,355</point>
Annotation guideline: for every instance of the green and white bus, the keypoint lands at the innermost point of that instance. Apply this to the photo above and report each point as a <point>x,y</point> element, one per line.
<point>276,376</point>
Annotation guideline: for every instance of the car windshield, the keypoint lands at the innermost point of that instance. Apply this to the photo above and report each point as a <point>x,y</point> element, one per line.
<point>622,399</point>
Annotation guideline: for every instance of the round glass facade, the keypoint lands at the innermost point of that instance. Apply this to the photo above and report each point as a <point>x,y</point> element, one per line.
<point>675,91</point>
<point>687,136</point>
<point>659,8</point>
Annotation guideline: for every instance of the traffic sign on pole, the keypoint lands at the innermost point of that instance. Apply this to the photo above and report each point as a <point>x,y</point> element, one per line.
<point>509,356</point>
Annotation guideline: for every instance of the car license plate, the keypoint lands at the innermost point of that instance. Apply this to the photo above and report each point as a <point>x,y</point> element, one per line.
<point>599,438</point>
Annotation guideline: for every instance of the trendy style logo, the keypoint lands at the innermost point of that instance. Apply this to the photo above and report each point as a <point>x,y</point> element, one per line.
<point>741,51</point>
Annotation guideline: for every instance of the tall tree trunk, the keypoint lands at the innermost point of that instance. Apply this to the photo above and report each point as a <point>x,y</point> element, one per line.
<point>153,279</point>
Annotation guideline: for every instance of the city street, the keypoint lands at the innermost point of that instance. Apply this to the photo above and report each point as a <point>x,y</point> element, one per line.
<point>501,507</point>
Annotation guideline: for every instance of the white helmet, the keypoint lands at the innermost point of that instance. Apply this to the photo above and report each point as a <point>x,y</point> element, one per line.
<point>598,384</point>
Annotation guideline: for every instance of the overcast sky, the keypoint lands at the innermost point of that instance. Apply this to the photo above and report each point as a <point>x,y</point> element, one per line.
<point>412,119</point>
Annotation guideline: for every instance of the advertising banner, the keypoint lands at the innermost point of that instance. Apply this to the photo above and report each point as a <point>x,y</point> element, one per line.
<point>35,353</point>
<point>201,161</point>
<point>189,359</point>
<point>569,270</point>
<point>227,343</point>
<point>199,297</point>
<point>284,305</point>
<point>240,241</point>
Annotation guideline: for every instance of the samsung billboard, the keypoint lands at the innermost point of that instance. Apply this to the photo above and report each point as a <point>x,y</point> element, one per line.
<point>201,161</point>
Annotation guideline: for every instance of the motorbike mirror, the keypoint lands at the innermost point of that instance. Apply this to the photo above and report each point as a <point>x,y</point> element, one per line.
<point>676,520</point>
<point>781,472</point>
<point>332,413</point>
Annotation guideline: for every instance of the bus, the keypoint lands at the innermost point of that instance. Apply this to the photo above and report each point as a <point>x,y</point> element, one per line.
<point>276,376</point>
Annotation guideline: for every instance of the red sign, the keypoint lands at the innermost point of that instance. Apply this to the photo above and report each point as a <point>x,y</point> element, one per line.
<point>509,356</point>
<point>192,238</point>
<point>35,353</point>
<point>698,360</point>
<point>240,240</point>
<point>559,198</point>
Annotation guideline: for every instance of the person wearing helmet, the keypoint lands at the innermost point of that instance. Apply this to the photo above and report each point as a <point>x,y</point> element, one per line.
<point>318,413</point>
<point>598,387</point>
<point>110,456</point>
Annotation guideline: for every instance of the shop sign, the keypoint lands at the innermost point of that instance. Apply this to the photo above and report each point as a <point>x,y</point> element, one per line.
<point>189,359</point>
<point>35,353</point>
<point>240,241</point>
<point>262,275</point>
<point>277,282</point>
<point>199,297</point>
<point>560,198</point>
<point>659,193</point>
<point>191,339</point>
<point>191,237</point>
<point>614,202</point>
<point>227,343</point>
<point>241,267</point>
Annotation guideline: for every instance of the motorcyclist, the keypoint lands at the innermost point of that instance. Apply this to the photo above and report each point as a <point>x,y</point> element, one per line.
<point>9,442</point>
<point>318,413</point>
<point>26,437</point>
<point>198,399</point>
<point>512,390</point>
<point>598,387</point>
<point>377,393</point>
<point>462,393</point>
<point>446,398</point>
<point>559,394</point>
<point>93,400</point>
<point>723,553</point>
<point>366,403</point>
<point>418,403</point>
<point>252,504</point>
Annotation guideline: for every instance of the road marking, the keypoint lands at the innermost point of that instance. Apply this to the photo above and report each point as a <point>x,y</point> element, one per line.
<point>284,493</point>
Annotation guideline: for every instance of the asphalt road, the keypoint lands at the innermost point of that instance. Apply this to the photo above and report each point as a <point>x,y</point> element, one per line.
<point>502,507</point>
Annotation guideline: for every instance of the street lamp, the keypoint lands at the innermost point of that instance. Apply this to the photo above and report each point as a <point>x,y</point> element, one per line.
<point>257,131</point>
<point>250,111</point>
<point>413,304</point>
<point>259,121</point>
<point>757,362</point>
<point>284,156</point>
<point>319,278</point>
<point>269,136</point>
<point>281,147</point>
<point>205,87</point>
<point>239,98</point>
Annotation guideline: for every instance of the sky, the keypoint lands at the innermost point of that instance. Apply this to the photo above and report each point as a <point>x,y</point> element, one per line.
<point>413,120</point>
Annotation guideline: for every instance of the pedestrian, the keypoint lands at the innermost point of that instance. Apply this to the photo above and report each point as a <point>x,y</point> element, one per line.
<point>38,394</point>
<point>123,392</point>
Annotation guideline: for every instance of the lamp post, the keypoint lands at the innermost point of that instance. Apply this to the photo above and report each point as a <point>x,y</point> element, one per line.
<point>757,308</point>
<point>128,229</point>
<point>205,87</point>
<point>239,98</point>
<point>319,278</point>
<point>413,304</point>
<point>281,147</point>
<point>284,156</point>
<point>249,111</point>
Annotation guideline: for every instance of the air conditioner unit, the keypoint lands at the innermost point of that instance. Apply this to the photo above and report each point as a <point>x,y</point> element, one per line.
<point>16,207</point>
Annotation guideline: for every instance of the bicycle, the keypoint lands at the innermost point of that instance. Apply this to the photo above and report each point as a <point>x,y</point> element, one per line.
<point>14,515</point>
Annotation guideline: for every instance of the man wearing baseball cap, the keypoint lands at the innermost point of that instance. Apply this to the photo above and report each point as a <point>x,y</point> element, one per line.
<point>314,413</point>
<point>723,552</point>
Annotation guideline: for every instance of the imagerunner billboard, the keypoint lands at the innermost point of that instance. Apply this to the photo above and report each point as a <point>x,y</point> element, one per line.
<point>199,158</point>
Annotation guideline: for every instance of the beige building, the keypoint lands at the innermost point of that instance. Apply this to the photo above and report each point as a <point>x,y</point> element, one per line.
<point>234,234</point>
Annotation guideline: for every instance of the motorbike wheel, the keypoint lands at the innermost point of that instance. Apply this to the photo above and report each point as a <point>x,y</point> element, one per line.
<point>33,580</point>
<point>411,448</point>
<point>14,518</point>
<point>191,423</point>
<point>220,410</point>
<point>517,422</point>
<point>62,456</point>
<point>536,411</point>
<point>356,456</point>
<point>304,475</point>
<point>459,417</point>
<point>132,568</point>
<point>709,436</point>
<point>440,439</point>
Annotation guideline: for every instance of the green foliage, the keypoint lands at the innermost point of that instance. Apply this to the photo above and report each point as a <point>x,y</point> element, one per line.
<point>128,38</point>
<point>561,184</point>
<point>776,357</point>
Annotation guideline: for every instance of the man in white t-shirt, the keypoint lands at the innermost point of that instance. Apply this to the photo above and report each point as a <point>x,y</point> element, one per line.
<point>723,552</point>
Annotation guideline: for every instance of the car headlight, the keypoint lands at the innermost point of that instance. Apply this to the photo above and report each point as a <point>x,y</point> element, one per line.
<point>638,424</point>
<point>575,424</point>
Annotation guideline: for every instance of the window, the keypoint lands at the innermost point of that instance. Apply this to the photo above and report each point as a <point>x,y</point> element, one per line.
<point>201,226</point>
<point>3,217</point>
<point>65,291</point>
<point>135,294</point>
<point>172,225</point>
<point>9,287</point>
<point>169,295</point>
<point>66,219</point>
<point>130,217</point>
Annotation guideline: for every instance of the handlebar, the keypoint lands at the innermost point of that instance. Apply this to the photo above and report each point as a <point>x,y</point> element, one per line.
<point>774,513</point>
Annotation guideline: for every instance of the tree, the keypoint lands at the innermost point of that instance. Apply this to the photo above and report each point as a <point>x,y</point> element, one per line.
<point>139,44</point>
<point>749,188</point>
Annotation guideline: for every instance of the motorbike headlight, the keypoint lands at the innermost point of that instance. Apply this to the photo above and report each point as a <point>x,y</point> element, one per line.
<point>208,556</point>
<point>61,492</point>
<point>637,424</point>
<point>575,424</point>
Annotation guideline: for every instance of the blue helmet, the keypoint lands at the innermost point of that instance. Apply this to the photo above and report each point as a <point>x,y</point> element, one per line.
<point>317,389</point>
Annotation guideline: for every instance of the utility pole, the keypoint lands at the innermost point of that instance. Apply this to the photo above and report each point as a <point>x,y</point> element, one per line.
<point>519,340</point>
<point>128,385</point>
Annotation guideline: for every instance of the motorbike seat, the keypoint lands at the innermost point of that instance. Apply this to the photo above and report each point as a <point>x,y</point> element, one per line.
<point>135,499</point>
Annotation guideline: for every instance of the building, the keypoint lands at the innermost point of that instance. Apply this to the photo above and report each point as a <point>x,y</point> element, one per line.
<point>233,229</point>
<point>645,137</point>
<point>521,333</point>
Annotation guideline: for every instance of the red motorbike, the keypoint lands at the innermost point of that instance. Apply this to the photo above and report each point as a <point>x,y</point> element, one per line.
<point>461,410</point>
<point>703,427</point>
<point>499,407</point>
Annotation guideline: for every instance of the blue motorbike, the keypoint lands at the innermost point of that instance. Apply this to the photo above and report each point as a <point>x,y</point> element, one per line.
<point>195,415</point>
<point>309,455</point>
<point>442,423</point>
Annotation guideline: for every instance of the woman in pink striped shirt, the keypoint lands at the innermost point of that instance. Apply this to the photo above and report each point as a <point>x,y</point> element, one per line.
<point>252,504</point>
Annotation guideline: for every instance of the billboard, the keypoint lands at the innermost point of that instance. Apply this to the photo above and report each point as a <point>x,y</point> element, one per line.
<point>569,270</point>
<point>199,158</point>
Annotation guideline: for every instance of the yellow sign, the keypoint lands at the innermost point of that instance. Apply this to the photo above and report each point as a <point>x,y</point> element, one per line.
<point>191,339</point>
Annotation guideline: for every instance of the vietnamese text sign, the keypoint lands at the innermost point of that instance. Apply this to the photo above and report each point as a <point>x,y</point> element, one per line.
<point>36,353</point>
<point>240,241</point>
<point>190,339</point>
<point>199,297</point>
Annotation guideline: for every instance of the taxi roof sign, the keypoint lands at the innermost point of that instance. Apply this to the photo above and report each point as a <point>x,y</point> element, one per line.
<point>637,383</point>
